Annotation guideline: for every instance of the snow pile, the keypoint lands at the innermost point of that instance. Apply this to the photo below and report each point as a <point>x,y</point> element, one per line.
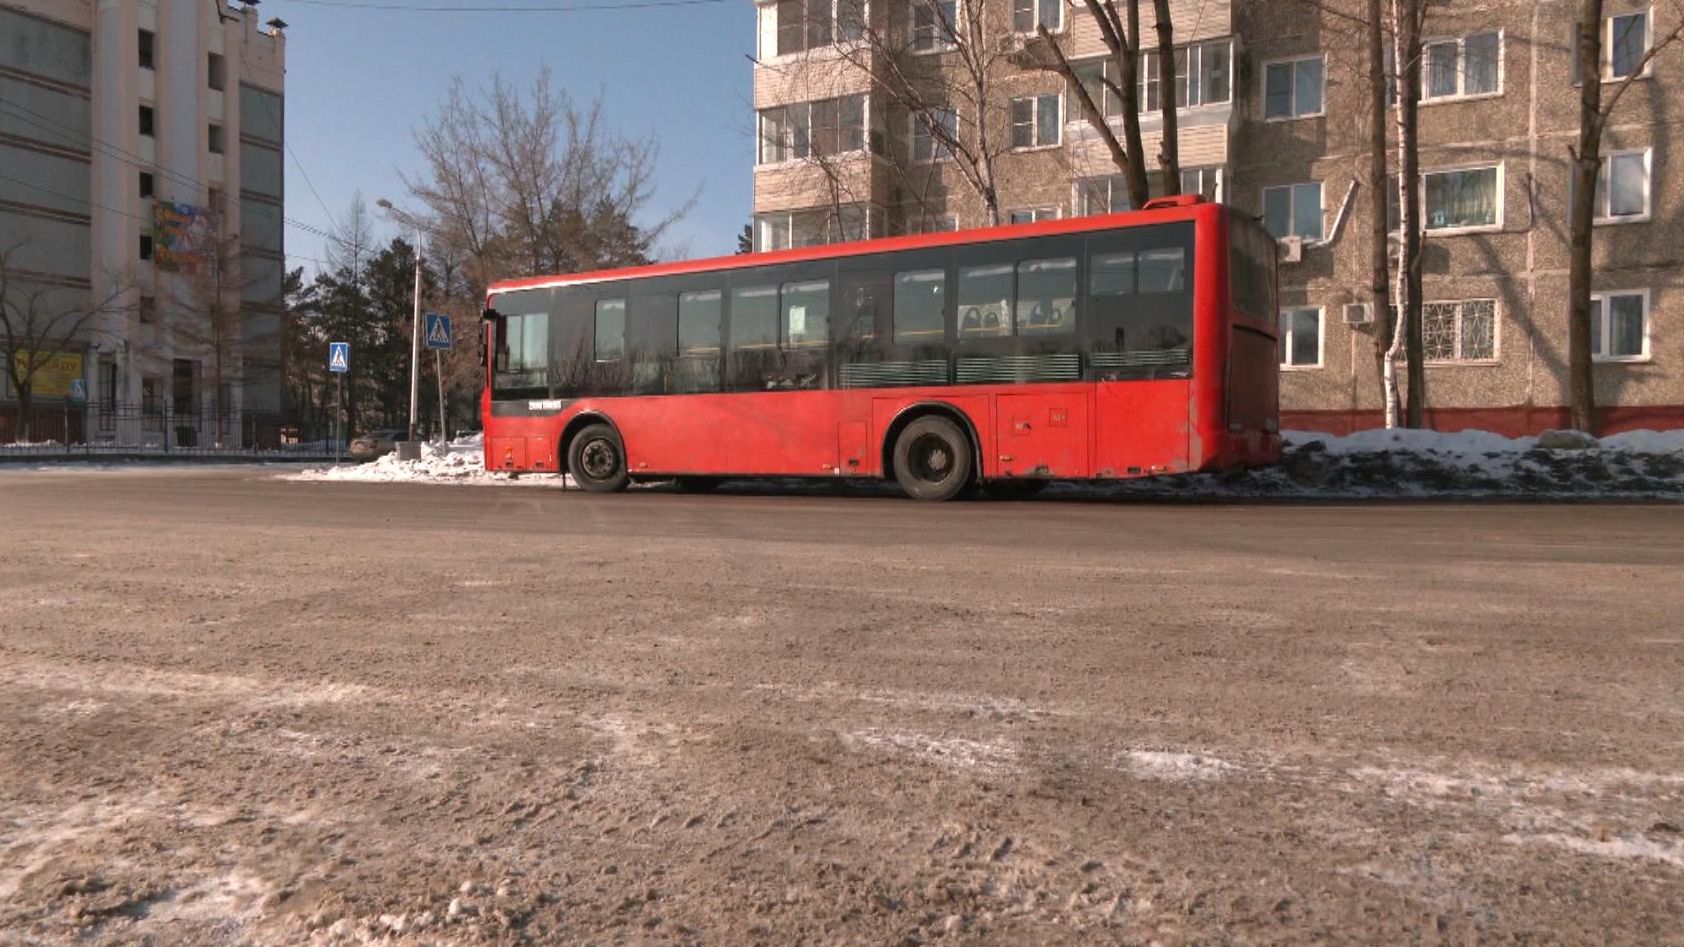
<point>460,461</point>
<point>1408,463</point>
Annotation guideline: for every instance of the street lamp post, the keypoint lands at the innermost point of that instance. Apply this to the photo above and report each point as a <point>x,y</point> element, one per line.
<point>415,328</point>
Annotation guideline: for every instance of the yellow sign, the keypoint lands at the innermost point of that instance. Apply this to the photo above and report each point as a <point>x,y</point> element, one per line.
<point>53,374</point>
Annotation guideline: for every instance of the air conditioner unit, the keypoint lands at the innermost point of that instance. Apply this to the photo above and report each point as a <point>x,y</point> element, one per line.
<point>1359,314</point>
<point>1292,249</point>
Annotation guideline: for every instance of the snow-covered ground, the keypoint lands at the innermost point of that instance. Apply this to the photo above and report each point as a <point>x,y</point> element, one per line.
<point>1379,463</point>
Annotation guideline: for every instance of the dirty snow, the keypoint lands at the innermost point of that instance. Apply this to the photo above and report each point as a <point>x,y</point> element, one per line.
<point>1367,464</point>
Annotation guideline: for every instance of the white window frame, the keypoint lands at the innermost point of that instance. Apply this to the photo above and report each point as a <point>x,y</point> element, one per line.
<point>1285,329</point>
<point>1035,12</point>
<point>914,123</point>
<point>1461,94</point>
<point>866,120</point>
<point>1148,77</point>
<point>1081,190</point>
<point>1263,87</point>
<point>766,31</point>
<point>940,45</point>
<point>1214,171</point>
<point>1603,206</point>
<point>1263,204</point>
<point>1607,65</point>
<point>1035,121</point>
<point>1479,228</point>
<point>1036,214</point>
<point>1461,309</point>
<point>1599,350</point>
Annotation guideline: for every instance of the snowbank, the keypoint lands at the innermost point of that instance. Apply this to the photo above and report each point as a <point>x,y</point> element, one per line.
<point>1368,464</point>
<point>460,461</point>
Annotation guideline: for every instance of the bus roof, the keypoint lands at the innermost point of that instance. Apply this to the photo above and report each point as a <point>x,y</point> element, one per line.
<point>1160,210</point>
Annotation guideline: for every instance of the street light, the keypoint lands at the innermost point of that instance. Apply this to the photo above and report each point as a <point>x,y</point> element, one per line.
<point>415,326</point>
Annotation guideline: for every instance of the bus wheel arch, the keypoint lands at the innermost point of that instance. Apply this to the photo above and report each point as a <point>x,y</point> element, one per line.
<point>582,433</point>
<point>964,430</point>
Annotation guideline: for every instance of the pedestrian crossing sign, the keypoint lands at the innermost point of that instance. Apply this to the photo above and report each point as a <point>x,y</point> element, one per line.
<point>438,331</point>
<point>339,356</point>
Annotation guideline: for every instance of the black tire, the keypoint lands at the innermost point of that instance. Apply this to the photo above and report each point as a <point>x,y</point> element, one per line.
<point>596,459</point>
<point>1013,489</point>
<point>696,484</point>
<point>933,459</point>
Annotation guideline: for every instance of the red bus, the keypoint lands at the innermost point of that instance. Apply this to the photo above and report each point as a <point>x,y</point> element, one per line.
<point>1119,346</point>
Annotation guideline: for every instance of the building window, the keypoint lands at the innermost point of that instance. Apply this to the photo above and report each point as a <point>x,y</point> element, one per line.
<point>1036,121</point>
<point>1293,89</point>
<point>216,200</point>
<point>148,307</point>
<point>215,138</point>
<point>1098,77</point>
<point>1205,182</point>
<point>789,229</point>
<point>1465,199</point>
<point>215,71</point>
<point>1202,76</point>
<point>812,129</point>
<point>1102,195</point>
<point>933,131</point>
<point>1622,187</point>
<point>1032,215</point>
<point>1625,41</point>
<point>935,25</point>
<point>107,389</point>
<point>1619,326</point>
<point>148,50</point>
<point>1301,338</point>
<point>940,223</point>
<point>1460,331</point>
<point>1458,68</point>
<point>146,120</point>
<point>148,186</point>
<point>1029,14</point>
<point>610,343</point>
<point>813,24</point>
<point>1293,210</point>
<point>146,246</point>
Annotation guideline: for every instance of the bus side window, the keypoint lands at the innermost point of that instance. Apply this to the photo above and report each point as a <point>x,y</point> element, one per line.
<point>920,306</point>
<point>754,317</point>
<point>1046,297</point>
<point>806,314</point>
<point>985,301</point>
<point>700,315</point>
<point>610,344</point>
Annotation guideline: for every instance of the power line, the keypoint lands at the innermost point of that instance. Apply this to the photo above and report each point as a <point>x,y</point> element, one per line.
<point>95,205</point>
<point>550,8</point>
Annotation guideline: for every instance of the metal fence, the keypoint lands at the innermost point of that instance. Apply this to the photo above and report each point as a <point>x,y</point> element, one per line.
<point>153,427</point>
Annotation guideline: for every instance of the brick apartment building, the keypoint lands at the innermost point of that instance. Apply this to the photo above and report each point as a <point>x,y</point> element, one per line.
<point>1273,119</point>
<point>141,164</point>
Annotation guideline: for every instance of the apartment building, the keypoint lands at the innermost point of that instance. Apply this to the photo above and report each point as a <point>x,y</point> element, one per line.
<point>141,179</point>
<point>852,101</point>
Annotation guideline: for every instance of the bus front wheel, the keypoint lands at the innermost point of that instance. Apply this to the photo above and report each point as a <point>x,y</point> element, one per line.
<point>597,460</point>
<point>933,459</point>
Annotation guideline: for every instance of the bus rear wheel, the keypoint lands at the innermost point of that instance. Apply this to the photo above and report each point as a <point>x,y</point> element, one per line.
<point>597,460</point>
<point>933,459</point>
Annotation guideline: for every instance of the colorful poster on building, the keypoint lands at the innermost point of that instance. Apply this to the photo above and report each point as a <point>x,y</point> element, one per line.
<point>181,236</point>
<point>56,373</point>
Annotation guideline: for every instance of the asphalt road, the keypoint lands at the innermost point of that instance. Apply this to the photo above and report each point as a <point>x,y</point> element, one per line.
<point>240,710</point>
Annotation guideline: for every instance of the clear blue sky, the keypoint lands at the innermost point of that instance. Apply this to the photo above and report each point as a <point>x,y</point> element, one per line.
<point>359,80</point>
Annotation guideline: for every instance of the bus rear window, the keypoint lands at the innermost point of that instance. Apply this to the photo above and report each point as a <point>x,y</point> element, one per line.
<point>1251,268</point>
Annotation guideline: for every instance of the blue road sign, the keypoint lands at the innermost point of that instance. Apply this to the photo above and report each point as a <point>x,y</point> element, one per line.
<point>339,356</point>
<point>438,331</point>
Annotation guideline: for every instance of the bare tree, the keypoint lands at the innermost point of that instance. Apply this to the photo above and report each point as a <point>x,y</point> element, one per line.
<point>519,183</point>
<point>1169,149</point>
<point>1594,113</point>
<point>39,321</point>
<point>1379,203</point>
<point>1121,33</point>
<point>1407,19</point>
<point>960,79</point>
